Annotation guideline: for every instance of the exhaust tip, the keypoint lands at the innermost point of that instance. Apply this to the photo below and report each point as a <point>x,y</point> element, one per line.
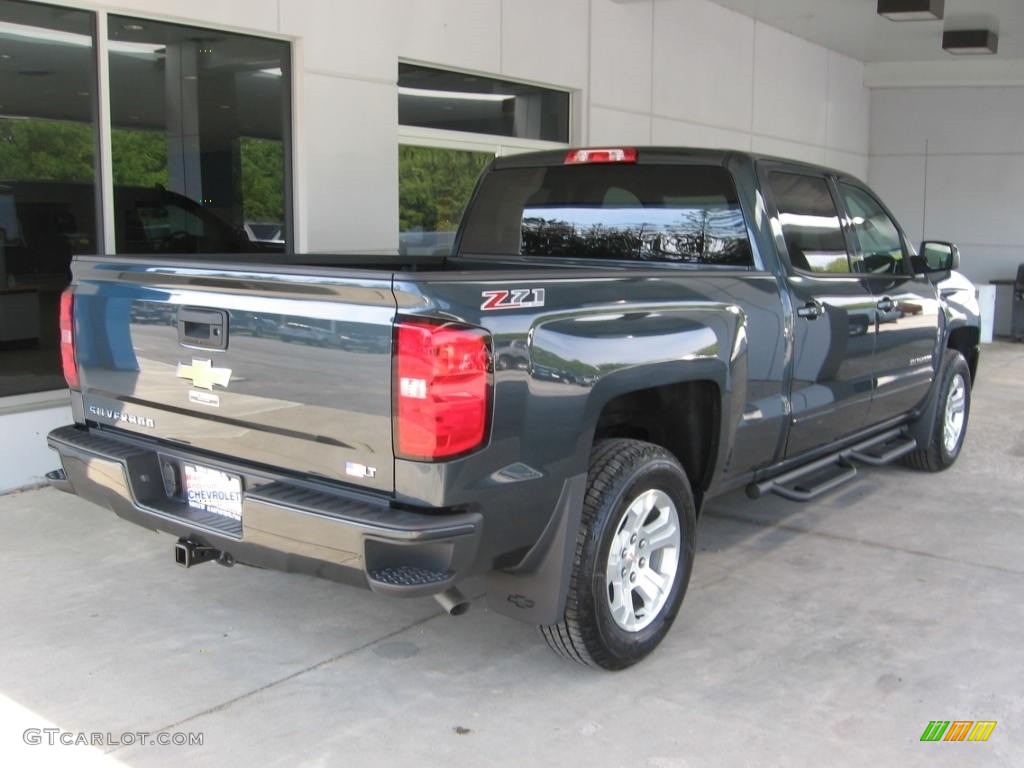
<point>59,479</point>
<point>453,602</point>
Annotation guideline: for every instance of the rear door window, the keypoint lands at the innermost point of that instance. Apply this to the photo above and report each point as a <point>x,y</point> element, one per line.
<point>810,223</point>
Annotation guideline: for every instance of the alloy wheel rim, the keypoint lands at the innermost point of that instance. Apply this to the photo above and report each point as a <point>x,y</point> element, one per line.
<point>956,410</point>
<point>643,560</point>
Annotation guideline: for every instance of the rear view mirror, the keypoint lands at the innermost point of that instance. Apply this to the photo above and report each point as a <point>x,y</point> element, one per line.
<point>938,256</point>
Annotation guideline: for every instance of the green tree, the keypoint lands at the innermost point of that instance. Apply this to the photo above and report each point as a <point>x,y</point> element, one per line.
<point>434,186</point>
<point>262,179</point>
<point>139,157</point>
<point>46,150</point>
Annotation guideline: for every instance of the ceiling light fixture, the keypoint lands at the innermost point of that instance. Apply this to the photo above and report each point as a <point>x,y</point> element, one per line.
<point>426,93</point>
<point>970,41</point>
<point>910,10</point>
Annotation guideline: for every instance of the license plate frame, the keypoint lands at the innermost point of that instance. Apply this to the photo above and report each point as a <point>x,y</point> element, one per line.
<point>213,491</point>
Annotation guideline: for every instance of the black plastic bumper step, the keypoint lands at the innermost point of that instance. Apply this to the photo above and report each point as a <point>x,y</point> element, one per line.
<point>408,576</point>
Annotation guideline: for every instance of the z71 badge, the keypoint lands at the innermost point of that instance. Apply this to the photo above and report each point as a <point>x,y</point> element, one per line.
<point>513,298</point>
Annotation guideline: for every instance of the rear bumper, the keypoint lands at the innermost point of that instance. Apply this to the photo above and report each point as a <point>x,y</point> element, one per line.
<point>287,526</point>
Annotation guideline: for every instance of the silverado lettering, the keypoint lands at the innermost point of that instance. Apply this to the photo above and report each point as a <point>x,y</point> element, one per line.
<point>695,322</point>
<point>127,418</point>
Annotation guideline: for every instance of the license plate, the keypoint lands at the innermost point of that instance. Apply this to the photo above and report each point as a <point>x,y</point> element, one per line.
<point>211,490</point>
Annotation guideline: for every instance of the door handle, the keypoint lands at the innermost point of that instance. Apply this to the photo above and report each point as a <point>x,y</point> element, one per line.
<point>203,328</point>
<point>812,310</point>
<point>885,305</point>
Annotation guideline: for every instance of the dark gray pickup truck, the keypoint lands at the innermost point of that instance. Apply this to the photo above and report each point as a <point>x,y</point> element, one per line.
<point>618,335</point>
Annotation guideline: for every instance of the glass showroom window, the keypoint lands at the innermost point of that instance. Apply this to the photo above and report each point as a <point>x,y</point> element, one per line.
<point>451,125</point>
<point>48,177</point>
<point>457,101</point>
<point>434,185</point>
<point>199,133</point>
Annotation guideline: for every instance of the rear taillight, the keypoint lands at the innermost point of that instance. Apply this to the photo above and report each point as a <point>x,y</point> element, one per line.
<point>68,364</point>
<point>442,389</point>
<point>608,155</point>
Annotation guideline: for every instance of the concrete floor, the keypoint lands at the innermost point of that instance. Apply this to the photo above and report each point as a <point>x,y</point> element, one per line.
<point>829,633</point>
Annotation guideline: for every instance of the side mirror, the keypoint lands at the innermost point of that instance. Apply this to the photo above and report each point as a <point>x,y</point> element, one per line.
<point>937,256</point>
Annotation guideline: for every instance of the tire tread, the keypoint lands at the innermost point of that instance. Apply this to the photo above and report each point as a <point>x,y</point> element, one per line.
<point>575,638</point>
<point>931,457</point>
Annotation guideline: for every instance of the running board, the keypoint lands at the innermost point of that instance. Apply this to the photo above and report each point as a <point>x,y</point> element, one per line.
<point>821,476</point>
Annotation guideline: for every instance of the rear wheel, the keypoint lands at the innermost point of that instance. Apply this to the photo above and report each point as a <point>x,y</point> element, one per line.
<point>634,554</point>
<point>953,407</point>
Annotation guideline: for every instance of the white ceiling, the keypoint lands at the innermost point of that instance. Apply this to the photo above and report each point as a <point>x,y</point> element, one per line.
<point>853,27</point>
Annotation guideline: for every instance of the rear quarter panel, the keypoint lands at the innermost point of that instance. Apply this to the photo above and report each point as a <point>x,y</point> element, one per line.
<point>600,333</point>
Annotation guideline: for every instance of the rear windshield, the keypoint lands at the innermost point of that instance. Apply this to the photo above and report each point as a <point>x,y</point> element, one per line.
<point>686,214</point>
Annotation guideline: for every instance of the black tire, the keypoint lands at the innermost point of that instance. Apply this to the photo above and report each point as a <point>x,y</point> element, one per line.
<point>609,621</point>
<point>949,423</point>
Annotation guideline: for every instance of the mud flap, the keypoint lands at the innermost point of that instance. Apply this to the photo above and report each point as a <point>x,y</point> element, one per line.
<point>922,428</point>
<point>536,591</point>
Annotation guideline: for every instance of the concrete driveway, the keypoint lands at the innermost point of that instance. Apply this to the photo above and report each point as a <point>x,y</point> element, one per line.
<point>831,633</point>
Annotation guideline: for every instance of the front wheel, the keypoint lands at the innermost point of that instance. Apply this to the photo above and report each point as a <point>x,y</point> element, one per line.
<point>949,425</point>
<point>634,554</point>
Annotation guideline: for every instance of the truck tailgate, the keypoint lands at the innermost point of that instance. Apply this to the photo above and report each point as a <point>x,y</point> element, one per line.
<point>290,370</point>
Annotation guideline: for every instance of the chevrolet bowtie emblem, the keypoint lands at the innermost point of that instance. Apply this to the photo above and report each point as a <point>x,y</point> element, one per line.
<point>203,375</point>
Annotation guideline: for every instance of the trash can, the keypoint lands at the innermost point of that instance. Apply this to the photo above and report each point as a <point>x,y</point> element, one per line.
<point>1017,324</point>
<point>987,305</point>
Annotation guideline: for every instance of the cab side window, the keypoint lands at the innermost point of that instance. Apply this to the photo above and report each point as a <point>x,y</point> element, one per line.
<point>880,247</point>
<point>810,224</point>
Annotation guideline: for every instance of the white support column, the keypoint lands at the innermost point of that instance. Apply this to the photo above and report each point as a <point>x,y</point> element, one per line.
<point>105,159</point>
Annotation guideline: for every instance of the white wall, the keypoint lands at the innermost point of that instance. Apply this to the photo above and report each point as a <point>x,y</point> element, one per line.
<point>950,163</point>
<point>24,456</point>
<point>691,72</point>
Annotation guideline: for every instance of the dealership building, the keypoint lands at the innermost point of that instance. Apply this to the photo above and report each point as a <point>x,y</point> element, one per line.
<point>258,127</point>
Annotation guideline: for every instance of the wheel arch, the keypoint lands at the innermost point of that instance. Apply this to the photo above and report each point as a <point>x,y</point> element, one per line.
<point>640,404</point>
<point>683,417</point>
<point>966,340</point>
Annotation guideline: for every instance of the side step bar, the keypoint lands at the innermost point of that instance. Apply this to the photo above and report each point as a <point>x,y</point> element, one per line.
<point>821,476</point>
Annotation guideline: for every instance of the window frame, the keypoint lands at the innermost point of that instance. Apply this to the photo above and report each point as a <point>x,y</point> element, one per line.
<point>294,227</point>
<point>496,145</point>
<point>41,394</point>
<point>854,245</point>
<point>828,178</point>
<point>103,173</point>
<point>513,143</point>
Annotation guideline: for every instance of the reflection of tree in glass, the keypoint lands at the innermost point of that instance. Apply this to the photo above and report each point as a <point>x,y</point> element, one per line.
<point>434,186</point>
<point>37,149</point>
<point>262,179</point>
<point>696,236</point>
<point>553,237</point>
<point>139,157</point>
<point>837,265</point>
<point>46,150</point>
